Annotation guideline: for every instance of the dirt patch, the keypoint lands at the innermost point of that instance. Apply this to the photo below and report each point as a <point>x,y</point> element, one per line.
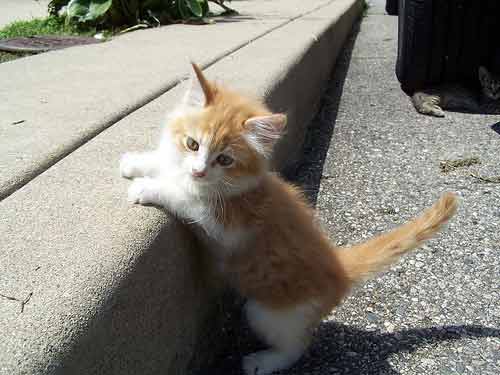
<point>36,44</point>
<point>451,165</point>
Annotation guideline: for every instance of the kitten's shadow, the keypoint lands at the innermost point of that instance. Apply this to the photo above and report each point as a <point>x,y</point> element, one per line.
<point>356,351</point>
<point>345,349</point>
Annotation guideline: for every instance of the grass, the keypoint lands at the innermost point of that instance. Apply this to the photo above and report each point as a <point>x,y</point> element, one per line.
<point>365,7</point>
<point>43,26</point>
<point>7,56</point>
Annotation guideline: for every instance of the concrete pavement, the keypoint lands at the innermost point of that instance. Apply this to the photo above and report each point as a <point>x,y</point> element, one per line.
<point>22,10</point>
<point>377,6</point>
<point>90,284</point>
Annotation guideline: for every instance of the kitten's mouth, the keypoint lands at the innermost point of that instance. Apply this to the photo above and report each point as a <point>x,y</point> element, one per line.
<point>202,181</point>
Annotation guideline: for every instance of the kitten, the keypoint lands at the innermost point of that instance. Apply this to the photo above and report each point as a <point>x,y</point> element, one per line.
<point>453,96</point>
<point>211,169</point>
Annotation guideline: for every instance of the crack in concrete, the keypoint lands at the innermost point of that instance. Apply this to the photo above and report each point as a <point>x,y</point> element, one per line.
<point>22,302</point>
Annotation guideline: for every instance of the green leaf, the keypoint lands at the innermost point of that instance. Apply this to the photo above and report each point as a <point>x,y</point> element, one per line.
<point>183,9</point>
<point>156,5</point>
<point>88,10</point>
<point>204,7</point>
<point>195,8</point>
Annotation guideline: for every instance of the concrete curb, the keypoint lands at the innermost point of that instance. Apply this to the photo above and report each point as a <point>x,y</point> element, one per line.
<point>120,289</point>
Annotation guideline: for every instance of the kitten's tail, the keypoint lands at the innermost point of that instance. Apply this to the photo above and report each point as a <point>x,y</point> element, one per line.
<point>363,260</point>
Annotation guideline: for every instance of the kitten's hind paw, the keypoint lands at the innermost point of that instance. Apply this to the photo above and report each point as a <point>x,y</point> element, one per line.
<point>431,110</point>
<point>427,104</point>
<point>267,361</point>
<point>437,111</point>
<point>255,363</point>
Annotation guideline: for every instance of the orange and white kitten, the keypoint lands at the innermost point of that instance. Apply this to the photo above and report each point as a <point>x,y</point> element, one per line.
<point>211,169</point>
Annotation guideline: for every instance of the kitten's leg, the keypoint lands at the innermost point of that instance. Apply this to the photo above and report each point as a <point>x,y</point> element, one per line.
<point>287,331</point>
<point>427,104</point>
<point>164,193</point>
<point>134,164</point>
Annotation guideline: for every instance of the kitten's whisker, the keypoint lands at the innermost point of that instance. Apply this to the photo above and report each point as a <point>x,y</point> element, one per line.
<point>196,221</point>
<point>221,203</point>
<point>226,182</point>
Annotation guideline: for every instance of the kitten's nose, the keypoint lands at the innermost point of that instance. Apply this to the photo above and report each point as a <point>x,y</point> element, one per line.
<point>199,174</point>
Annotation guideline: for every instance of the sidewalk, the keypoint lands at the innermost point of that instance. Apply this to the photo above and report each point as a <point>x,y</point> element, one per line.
<point>371,163</point>
<point>22,10</point>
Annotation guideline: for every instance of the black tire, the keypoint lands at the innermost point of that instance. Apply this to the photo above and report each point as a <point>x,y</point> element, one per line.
<point>445,41</point>
<point>391,7</point>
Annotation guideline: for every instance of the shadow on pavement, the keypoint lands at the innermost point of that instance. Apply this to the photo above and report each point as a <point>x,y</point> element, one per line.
<point>233,18</point>
<point>308,171</point>
<point>496,127</point>
<point>348,350</point>
<point>356,351</point>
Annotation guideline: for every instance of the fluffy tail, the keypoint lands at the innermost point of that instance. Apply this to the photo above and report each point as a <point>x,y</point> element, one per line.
<point>363,260</point>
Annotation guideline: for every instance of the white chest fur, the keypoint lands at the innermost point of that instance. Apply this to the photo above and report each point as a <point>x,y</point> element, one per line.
<point>226,239</point>
<point>230,239</point>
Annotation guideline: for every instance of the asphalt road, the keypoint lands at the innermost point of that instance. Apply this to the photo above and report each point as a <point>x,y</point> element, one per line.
<point>370,163</point>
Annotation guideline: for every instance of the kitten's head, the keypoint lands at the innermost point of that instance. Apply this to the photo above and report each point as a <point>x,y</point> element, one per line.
<point>222,139</point>
<point>490,83</point>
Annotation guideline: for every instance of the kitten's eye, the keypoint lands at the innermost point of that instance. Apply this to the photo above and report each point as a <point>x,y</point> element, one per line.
<point>224,160</point>
<point>192,144</point>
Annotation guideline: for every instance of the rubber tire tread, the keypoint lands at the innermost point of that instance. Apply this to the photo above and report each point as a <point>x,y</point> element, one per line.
<point>392,7</point>
<point>445,41</point>
<point>414,33</point>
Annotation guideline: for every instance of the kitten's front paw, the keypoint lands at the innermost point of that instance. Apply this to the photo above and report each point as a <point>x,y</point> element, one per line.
<point>128,165</point>
<point>436,111</point>
<point>140,191</point>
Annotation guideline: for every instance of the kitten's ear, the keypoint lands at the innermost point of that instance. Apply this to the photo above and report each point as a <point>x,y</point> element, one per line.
<point>484,75</point>
<point>264,131</point>
<point>200,92</point>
